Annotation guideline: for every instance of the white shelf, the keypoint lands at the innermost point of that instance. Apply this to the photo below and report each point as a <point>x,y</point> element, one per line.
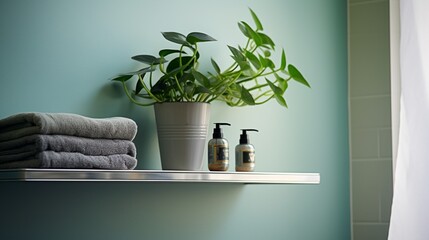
<point>83,175</point>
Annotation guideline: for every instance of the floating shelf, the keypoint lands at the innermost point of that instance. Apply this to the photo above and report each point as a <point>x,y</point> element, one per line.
<point>83,175</point>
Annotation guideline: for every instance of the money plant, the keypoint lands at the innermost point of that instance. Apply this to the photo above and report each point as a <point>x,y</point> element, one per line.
<point>253,77</point>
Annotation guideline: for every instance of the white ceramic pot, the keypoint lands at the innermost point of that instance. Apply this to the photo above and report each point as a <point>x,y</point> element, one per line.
<point>182,133</point>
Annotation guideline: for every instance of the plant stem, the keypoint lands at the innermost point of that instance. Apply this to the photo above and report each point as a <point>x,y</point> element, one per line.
<point>266,100</point>
<point>147,90</point>
<point>132,99</point>
<point>258,87</point>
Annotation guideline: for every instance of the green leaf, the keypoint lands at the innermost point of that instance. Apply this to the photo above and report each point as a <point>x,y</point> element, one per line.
<point>203,80</point>
<point>263,61</point>
<point>141,71</point>
<point>266,40</point>
<point>237,55</point>
<point>176,64</point>
<point>186,77</point>
<point>166,52</point>
<point>282,82</point>
<point>189,88</point>
<point>241,60</point>
<point>175,37</point>
<point>296,75</point>
<point>246,96</point>
<point>215,66</point>
<point>235,90</point>
<point>122,78</point>
<point>253,35</point>
<point>280,99</point>
<point>215,80</point>
<point>270,63</point>
<point>274,88</point>
<point>201,89</point>
<point>283,85</point>
<point>283,60</point>
<point>159,87</point>
<point>139,84</point>
<point>244,30</point>
<point>148,59</point>
<point>256,20</point>
<point>278,93</point>
<point>195,37</point>
<point>253,59</point>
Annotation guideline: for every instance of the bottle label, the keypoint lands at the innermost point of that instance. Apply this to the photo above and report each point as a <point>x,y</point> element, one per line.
<point>218,153</point>
<point>221,153</point>
<point>248,157</point>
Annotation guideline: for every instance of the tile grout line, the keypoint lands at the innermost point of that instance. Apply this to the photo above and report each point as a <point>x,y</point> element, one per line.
<point>371,96</point>
<point>372,223</point>
<point>351,209</point>
<point>384,159</point>
<point>367,2</point>
<point>379,207</point>
<point>378,143</point>
<point>372,128</point>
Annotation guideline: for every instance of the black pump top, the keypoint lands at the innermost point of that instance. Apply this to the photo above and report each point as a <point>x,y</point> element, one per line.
<point>217,132</point>
<point>244,139</point>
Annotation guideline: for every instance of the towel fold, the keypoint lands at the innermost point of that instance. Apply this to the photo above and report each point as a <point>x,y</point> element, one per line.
<point>51,159</point>
<point>25,124</point>
<point>24,147</point>
<point>65,140</point>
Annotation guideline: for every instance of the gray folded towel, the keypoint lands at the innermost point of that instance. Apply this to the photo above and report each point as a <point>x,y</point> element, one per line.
<point>27,146</point>
<point>25,124</point>
<point>50,159</point>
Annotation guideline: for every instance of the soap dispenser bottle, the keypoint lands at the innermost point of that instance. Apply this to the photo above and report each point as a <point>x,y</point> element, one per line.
<point>218,150</point>
<point>245,153</point>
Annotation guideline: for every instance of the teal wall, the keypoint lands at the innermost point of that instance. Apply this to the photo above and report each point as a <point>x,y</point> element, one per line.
<point>58,56</point>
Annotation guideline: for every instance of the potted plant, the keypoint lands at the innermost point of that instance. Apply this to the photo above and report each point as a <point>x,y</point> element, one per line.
<point>173,83</point>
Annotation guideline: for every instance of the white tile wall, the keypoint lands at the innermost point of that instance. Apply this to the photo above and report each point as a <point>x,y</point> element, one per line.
<point>370,118</point>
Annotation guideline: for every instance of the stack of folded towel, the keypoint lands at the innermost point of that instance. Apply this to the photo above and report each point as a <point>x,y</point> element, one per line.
<point>64,140</point>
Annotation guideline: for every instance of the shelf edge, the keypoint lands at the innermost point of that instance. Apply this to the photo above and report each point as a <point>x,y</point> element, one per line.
<point>92,175</point>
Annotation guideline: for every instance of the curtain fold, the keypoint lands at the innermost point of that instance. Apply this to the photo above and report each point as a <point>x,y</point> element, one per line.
<point>410,206</point>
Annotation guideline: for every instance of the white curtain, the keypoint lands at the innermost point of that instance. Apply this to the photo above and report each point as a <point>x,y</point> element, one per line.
<point>410,208</point>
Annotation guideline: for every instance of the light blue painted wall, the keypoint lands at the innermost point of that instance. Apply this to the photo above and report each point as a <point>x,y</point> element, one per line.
<point>58,56</point>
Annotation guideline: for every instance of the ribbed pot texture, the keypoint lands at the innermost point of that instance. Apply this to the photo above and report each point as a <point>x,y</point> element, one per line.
<point>182,132</point>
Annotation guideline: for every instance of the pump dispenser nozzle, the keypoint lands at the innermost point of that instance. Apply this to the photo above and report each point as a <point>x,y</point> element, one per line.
<point>244,139</point>
<point>217,132</point>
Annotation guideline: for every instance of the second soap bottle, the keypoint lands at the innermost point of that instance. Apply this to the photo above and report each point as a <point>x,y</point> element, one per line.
<point>218,150</point>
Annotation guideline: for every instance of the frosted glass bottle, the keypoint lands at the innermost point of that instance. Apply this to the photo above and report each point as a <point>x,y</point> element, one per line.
<point>245,153</point>
<point>218,150</point>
